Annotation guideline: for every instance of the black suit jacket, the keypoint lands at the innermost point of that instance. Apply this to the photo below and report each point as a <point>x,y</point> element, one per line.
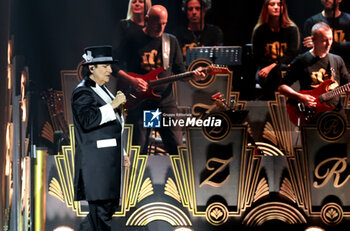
<point>97,144</point>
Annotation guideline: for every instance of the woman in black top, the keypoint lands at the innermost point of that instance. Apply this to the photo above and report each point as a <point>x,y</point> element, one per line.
<point>275,43</point>
<point>134,21</point>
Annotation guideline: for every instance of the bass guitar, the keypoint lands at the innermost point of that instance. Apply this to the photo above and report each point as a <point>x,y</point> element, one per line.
<point>299,114</point>
<point>134,98</point>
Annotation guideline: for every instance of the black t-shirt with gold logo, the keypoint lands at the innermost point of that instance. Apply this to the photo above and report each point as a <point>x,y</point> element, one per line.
<point>141,54</point>
<point>341,32</point>
<point>270,47</point>
<point>311,71</point>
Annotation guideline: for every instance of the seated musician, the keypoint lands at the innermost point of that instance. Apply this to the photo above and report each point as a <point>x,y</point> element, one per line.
<point>275,43</point>
<point>313,68</point>
<point>142,53</point>
<point>196,32</point>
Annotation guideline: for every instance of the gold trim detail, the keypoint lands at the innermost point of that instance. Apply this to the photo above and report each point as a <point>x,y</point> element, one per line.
<point>170,189</point>
<point>208,167</point>
<point>331,126</point>
<point>216,134</point>
<point>287,190</point>
<point>268,149</point>
<point>158,211</point>
<point>47,132</point>
<point>216,214</point>
<point>332,214</point>
<point>79,70</point>
<point>39,191</point>
<point>237,104</point>
<point>132,190</point>
<point>269,133</point>
<point>273,211</point>
<point>261,190</point>
<point>297,175</point>
<point>55,189</point>
<point>146,190</point>
<point>281,124</point>
<point>183,167</point>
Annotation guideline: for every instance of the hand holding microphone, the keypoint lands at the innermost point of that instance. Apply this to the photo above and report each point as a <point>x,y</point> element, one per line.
<point>119,99</point>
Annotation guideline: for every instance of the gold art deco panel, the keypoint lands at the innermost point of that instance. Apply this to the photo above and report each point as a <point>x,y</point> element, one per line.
<point>224,168</point>
<point>318,165</point>
<point>133,188</point>
<point>217,175</point>
<point>326,157</point>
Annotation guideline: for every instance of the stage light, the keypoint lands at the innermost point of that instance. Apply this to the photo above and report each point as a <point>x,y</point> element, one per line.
<point>63,228</point>
<point>183,229</point>
<point>314,228</point>
<point>9,69</point>
<point>9,52</point>
<point>23,94</point>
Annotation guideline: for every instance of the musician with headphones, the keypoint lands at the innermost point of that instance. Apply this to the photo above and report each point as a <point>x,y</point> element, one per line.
<point>196,32</point>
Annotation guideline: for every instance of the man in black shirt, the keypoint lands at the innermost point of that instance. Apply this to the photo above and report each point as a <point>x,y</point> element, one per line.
<point>339,22</point>
<point>143,52</point>
<point>314,67</point>
<point>197,32</point>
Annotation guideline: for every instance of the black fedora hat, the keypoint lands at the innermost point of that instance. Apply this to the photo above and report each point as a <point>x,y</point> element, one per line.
<point>98,54</point>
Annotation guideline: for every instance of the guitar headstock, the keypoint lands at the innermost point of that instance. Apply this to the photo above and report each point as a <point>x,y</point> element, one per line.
<point>216,69</point>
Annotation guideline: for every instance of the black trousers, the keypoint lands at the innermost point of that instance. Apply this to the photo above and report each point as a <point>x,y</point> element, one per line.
<point>100,215</point>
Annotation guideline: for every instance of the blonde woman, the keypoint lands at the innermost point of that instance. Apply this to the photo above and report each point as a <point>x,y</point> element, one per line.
<point>136,12</point>
<point>134,21</point>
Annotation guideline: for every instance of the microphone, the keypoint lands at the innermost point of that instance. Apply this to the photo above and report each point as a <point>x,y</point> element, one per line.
<point>122,105</point>
<point>119,93</point>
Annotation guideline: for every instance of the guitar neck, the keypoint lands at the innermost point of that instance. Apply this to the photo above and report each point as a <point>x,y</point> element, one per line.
<point>170,78</point>
<point>337,91</point>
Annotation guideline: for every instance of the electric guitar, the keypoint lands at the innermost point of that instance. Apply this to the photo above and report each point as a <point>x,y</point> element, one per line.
<point>134,98</point>
<point>299,114</point>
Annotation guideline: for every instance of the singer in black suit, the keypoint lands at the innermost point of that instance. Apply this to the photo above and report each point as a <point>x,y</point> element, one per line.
<point>98,127</point>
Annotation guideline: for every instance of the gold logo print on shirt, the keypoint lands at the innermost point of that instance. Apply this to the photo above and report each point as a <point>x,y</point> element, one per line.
<point>190,45</point>
<point>339,36</point>
<point>317,77</point>
<point>149,62</point>
<point>275,49</point>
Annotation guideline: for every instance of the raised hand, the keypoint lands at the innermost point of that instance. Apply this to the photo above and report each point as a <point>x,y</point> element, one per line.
<point>308,42</point>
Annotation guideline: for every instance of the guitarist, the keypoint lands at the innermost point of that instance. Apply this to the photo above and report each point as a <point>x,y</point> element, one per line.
<point>142,52</point>
<point>314,67</point>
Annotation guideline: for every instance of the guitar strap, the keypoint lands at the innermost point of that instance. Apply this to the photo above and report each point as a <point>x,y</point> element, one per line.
<point>332,65</point>
<point>165,50</point>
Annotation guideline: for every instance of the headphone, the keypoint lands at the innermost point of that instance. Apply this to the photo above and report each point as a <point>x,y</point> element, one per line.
<point>205,4</point>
